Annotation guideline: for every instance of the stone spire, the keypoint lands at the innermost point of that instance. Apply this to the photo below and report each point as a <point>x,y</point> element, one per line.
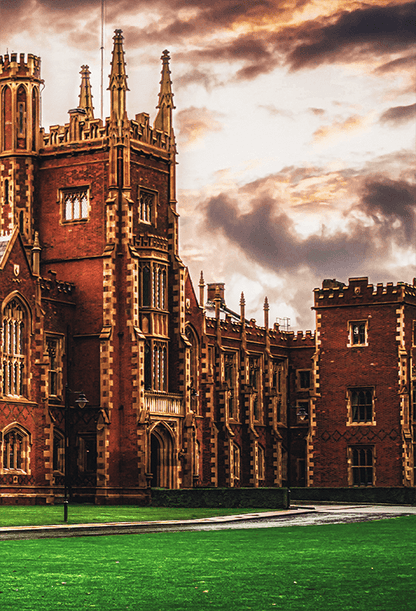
<point>266,313</point>
<point>163,121</point>
<point>118,80</point>
<point>242,308</point>
<point>85,96</point>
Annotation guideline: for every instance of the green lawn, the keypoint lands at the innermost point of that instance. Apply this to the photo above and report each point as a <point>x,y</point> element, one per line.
<point>37,515</point>
<point>359,567</point>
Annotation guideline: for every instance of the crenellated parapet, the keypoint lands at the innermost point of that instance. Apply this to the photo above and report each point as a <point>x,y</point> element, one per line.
<point>306,339</point>
<point>141,132</point>
<point>78,130</point>
<point>360,292</point>
<point>53,288</point>
<point>11,67</point>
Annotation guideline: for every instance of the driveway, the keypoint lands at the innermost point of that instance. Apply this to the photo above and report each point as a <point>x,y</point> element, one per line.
<point>307,515</point>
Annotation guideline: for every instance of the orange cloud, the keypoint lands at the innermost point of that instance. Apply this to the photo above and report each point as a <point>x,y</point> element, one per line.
<point>194,123</point>
<point>338,129</point>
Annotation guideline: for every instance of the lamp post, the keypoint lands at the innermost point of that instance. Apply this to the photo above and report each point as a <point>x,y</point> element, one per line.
<point>81,402</point>
<point>302,414</point>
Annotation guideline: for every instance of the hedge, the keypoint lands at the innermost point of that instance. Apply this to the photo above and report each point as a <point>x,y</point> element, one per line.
<point>264,498</point>
<point>391,496</point>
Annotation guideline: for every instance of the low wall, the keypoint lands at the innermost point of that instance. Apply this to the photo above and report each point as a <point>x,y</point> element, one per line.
<point>389,496</point>
<point>261,498</point>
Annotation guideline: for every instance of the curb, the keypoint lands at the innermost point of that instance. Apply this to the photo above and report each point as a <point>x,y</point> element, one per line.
<point>128,528</point>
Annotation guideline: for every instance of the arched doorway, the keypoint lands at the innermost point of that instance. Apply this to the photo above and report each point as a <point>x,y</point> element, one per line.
<point>161,457</point>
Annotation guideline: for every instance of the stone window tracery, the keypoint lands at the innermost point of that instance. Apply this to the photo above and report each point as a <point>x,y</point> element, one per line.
<point>75,205</point>
<point>146,206</point>
<point>14,348</point>
<point>15,450</point>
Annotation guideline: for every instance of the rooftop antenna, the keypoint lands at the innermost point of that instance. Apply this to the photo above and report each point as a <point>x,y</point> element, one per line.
<point>102,57</point>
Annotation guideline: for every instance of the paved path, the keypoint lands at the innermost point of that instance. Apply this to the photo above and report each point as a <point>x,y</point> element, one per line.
<point>300,516</point>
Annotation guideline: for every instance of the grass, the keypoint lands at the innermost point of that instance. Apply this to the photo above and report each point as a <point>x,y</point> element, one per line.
<point>340,567</point>
<point>36,515</point>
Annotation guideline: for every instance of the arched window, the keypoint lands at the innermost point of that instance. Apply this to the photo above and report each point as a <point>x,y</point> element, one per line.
<point>15,450</point>
<point>159,367</point>
<point>163,289</point>
<point>14,349</point>
<point>147,367</point>
<point>7,118</point>
<point>146,286</point>
<point>194,363</point>
<point>34,118</point>
<point>21,117</point>
<point>6,191</point>
<point>236,465</point>
<point>261,463</point>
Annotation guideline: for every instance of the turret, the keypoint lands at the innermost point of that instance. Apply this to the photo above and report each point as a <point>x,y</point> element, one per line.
<point>20,140</point>
<point>20,104</point>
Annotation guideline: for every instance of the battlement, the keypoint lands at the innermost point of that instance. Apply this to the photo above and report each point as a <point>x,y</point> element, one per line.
<point>82,130</point>
<point>52,287</point>
<point>143,132</point>
<point>76,131</point>
<point>12,67</point>
<point>360,292</point>
<point>306,338</point>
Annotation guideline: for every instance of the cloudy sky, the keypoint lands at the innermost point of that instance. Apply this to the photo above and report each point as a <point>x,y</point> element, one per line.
<point>295,123</point>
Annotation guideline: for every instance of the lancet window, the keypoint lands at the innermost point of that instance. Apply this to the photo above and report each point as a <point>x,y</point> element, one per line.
<point>75,204</point>
<point>14,349</point>
<point>15,450</point>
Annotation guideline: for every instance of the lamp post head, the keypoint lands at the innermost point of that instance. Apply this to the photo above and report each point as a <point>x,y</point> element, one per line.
<point>302,413</point>
<point>81,401</point>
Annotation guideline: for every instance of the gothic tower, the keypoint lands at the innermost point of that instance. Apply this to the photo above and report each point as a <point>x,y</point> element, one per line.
<point>19,140</point>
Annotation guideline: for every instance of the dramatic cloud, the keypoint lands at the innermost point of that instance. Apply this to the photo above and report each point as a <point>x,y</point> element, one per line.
<point>399,114</point>
<point>268,235</point>
<point>194,123</point>
<point>387,201</point>
<point>378,30</point>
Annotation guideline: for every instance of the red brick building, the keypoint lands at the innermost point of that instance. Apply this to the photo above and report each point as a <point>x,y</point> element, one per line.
<point>182,391</point>
<point>363,414</point>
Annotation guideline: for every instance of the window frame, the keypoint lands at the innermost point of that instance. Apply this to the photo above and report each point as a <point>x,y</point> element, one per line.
<point>147,212</point>
<point>361,408</point>
<point>236,462</point>
<point>23,467</point>
<point>83,460</point>
<point>153,286</point>
<point>58,369</point>
<point>299,385</point>
<point>255,373</point>
<point>231,383</point>
<point>355,471</point>
<point>156,366</point>
<point>68,191</point>
<point>58,453</point>
<point>351,343</point>
<point>14,349</point>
